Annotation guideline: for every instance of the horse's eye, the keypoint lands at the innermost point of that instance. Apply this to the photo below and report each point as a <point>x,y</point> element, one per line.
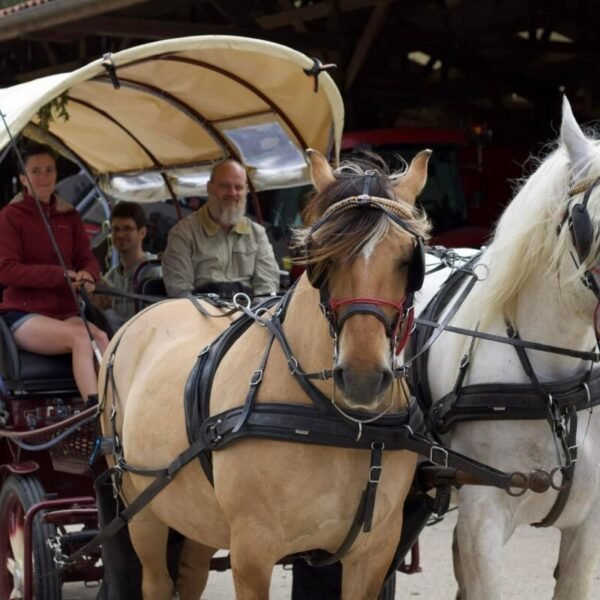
<point>402,264</point>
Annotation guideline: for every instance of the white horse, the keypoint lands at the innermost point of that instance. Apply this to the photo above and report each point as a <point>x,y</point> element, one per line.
<point>534,278</point>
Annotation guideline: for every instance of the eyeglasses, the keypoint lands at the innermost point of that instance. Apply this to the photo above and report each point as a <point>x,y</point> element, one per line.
<point>124,229</point>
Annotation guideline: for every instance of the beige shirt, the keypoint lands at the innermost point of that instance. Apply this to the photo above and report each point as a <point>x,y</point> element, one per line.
<point>199,251</point>
<point>121,279</point>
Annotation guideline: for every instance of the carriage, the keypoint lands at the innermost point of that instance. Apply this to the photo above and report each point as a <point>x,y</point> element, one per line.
<point>145,124</point>
<point>98,117</point>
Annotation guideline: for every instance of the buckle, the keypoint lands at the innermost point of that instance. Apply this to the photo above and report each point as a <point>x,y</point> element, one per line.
<point>442,459</point>
<point>375,473</point>
<point>256,377</point>
<point>573,453</point>
<point>293,364</point>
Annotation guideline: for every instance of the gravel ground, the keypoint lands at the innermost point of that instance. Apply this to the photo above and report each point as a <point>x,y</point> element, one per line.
<point>529,559</point>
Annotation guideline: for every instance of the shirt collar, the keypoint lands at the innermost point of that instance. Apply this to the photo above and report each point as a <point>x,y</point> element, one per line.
<point>211,227</point>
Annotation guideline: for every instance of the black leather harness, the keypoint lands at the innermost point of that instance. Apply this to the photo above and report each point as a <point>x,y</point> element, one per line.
<point>322,423</point>
<point>556,402</point>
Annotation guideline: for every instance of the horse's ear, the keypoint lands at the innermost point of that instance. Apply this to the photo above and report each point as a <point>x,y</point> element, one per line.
<point>321,172</point>
<point>577,145</point>
<point>411,184</point>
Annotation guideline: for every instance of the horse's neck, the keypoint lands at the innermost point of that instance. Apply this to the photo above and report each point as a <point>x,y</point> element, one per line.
<point>548,313</point>
<point>307,330</point>
<point>558,315</point>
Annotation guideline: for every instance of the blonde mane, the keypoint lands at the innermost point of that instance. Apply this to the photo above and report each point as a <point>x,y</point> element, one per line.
<point>527,240</point>
<point>352,230</point>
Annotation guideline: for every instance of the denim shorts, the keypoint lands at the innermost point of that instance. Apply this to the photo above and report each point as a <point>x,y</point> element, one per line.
<point>15,318</point>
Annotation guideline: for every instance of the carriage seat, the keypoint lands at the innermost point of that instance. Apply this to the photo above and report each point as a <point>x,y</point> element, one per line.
<point>26,373</point>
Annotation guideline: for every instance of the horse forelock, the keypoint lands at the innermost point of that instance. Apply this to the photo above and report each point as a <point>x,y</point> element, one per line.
<point>529,240</point>
<point>356,229</point>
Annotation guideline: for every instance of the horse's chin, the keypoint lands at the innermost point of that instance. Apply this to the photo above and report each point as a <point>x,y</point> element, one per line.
<point>363,404</point>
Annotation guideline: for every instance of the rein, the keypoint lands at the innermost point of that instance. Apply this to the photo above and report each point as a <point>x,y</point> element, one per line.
<point>320,425</point>
<point>555,402</point>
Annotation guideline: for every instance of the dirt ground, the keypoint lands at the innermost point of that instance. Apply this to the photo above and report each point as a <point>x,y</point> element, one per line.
<point>529,560</point>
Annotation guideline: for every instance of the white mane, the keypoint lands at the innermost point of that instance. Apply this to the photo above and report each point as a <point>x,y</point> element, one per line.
<point>526,242</point>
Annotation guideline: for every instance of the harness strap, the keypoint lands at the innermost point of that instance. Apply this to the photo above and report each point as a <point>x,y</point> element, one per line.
<point>582,354</point>
<point>255,382</point>
<point>363,519</point>
<point>104,290</point>
<point>163,478</point>
<point>320,558</point>
<point>557,419</point>
<point>567,478</point>
<point>214,301</point>
<point>443,326</point>
<point>304,424</point>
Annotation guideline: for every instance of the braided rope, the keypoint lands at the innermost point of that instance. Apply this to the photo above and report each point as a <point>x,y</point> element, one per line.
<point>365,201</point>
<point>583,185</point>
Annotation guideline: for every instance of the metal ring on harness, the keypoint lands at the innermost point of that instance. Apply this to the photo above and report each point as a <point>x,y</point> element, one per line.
<point>518,488</point>
<point>241,300</point>
<point>563,485</point>
<point>484,268</point>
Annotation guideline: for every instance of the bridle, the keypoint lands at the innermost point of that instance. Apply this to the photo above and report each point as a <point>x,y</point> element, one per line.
<point>339,311</point>
<point>580,225</point>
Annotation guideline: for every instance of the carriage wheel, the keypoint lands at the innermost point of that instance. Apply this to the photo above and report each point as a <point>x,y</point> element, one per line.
<point>17,496</point>
<point>388,591</point>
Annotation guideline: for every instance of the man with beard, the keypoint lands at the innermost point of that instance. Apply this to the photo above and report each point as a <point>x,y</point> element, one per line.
<point>218,249</point>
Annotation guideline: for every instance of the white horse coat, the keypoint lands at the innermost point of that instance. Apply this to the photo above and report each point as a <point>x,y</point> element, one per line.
<point>533,280</point>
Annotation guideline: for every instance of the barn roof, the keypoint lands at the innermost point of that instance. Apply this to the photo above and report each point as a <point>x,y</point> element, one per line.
<point>436,62</point>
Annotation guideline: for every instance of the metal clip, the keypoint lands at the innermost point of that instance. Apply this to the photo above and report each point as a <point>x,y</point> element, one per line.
<point>60,559</point>
<point>442,452</point>
<point>293,364</point>
<point>256,377</point>
<point>587,393</point>
<point>573,453</point>
<point>375,474</point>
<point>204,350</point>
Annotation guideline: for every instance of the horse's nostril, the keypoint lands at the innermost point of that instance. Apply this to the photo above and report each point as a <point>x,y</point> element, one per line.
<point>338,377</point>
<point>386,379</point>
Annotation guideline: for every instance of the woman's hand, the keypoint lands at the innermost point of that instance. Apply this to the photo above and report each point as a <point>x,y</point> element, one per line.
<point>82,279</point>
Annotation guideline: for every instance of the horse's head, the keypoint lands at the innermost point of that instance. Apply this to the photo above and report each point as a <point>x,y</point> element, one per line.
<point>584,181</point>
<point>545,255</point>
<point>364,253</point>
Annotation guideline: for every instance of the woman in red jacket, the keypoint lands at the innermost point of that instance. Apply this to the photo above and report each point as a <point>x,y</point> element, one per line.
<point>37,302</point>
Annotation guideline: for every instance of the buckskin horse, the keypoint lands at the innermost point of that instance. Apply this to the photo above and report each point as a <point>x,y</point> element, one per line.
<point>268,498</point>
<point>521,388</point>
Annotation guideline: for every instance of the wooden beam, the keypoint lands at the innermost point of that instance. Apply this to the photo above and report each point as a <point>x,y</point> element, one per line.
<point>310,13</point>
<point>298,26</point>
<point>150,29</point>
<point>234,13</point>
<point>362,48</point>
<point>49,53</point>
<point>55,13</point>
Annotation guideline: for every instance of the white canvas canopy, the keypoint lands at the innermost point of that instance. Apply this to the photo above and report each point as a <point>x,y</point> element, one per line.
<point>182,105</point>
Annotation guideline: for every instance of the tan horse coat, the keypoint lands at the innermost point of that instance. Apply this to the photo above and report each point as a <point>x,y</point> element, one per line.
<point>270,498</point>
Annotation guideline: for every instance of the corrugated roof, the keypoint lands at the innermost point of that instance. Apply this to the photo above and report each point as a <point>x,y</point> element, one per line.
<point>22,6</point>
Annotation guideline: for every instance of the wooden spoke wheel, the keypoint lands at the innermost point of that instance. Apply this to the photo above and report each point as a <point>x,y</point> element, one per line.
<point>17,496</point>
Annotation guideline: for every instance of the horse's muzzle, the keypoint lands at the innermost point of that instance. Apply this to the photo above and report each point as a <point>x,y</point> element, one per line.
<point>362,390</point>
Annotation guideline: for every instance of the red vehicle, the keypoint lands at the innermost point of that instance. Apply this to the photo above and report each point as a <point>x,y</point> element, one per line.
<point>47,501</point>
<point>469,178</point>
